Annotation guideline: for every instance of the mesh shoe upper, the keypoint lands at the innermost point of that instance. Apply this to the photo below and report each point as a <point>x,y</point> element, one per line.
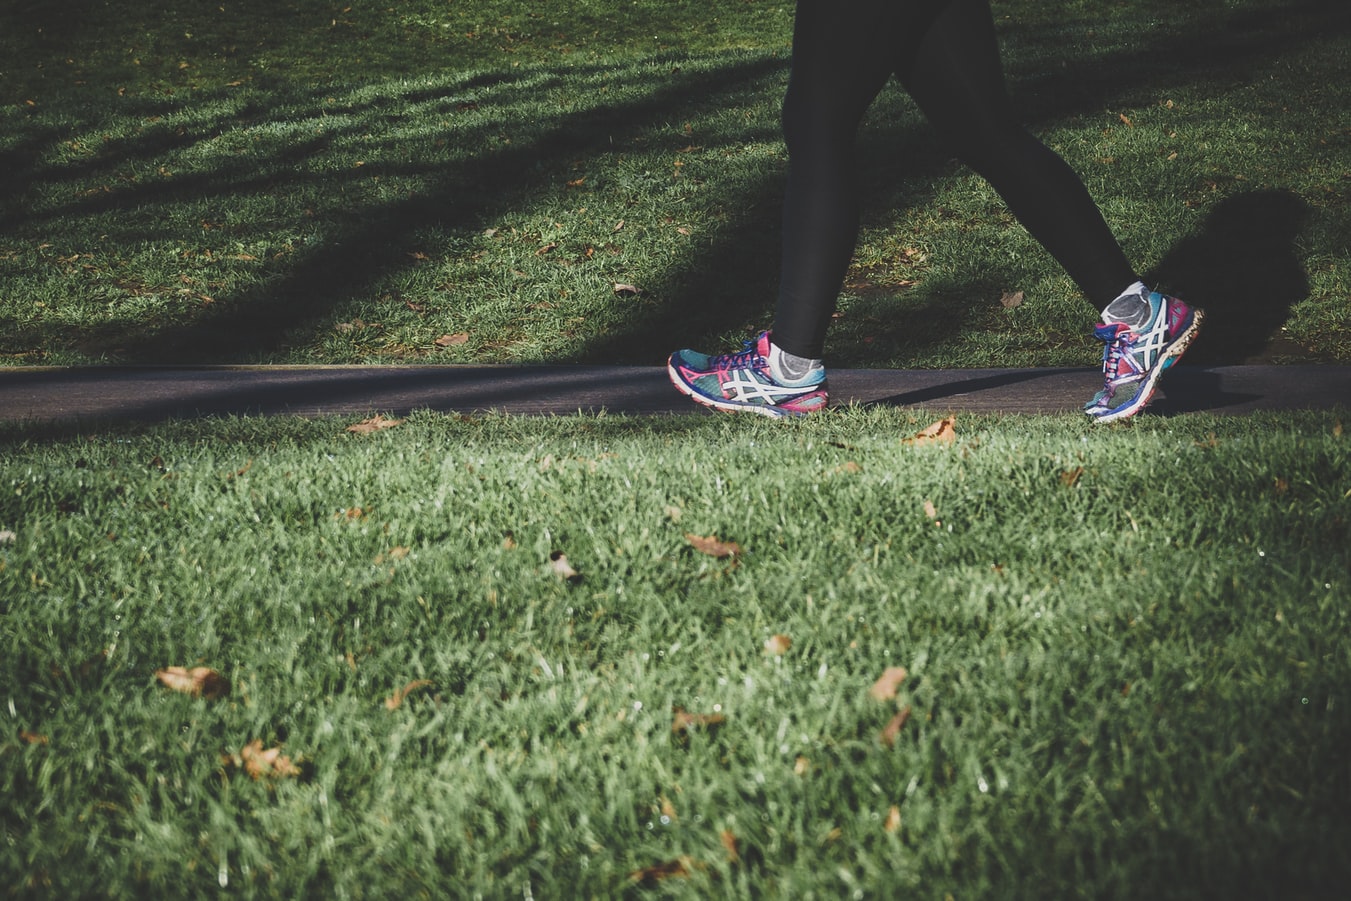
<point>1133,360</point>
<point>742,381</point>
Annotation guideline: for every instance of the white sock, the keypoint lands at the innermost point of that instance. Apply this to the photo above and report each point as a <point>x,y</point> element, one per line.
<point>789,368</point>
<point>1131,307</point>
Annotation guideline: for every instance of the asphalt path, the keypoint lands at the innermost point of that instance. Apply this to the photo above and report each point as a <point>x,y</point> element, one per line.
<point>150,394</point>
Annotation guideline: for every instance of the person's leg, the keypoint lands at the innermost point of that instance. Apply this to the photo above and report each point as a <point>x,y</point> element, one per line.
<point>957,80</point>
<point>843,53</point>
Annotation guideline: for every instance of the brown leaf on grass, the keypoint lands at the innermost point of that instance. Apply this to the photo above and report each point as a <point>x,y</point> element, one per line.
<point>374,424</point>
<point>260,763</point>
<point>558,562</point>
<point>1070,477</point>
<point>713,546</point>
<point>729,845</point>
<point>683,721</point>
<point>547,248</point>
<point>942,432</point>
<point>671,869</point>
<point>199,682</point>
<point>394,553</point>
<point>624,290</point>
<point>453,340</point>
<point>893,820</point>
<point>31,738</point>
<point>802,766</point>
<point>930,511</point>
<point>884,689</point>
<point>1011,299</point>
<point>778,645</point>
<point>395,701</point>
<point>893,728</point>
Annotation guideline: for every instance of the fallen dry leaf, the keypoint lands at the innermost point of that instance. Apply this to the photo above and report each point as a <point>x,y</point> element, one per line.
<point>259,763</point>
<point>374,424</point>
<point>729,844</point>
<point>684,721</point>
<point>1070,477</point>
<point>930,510</point>
<point>1011,299</point>
<point>624,290</point>
<point>680,867</point>
<point>394,553</point>
<point>558,562</point>
<point>884,689</point>
<point>31,738</point>
<point>453,340</point>
<point>200,681</point>
<point>893,728</point>
<point>395,701</point>
<point>802,766</point>
<point>778,645</point>
<point>713,546</point>
<point>942,432</point>
<point>893,820</point>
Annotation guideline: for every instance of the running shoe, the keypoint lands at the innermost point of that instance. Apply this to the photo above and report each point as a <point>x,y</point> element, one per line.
<point>742,382</point>
<point>1133,360</point>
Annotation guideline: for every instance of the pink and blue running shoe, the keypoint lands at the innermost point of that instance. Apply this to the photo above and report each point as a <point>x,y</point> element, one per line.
<point>1133,360</point>
<point>742,382</point>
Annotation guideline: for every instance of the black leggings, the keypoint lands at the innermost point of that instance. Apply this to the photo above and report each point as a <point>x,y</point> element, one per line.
<point>944,53</point>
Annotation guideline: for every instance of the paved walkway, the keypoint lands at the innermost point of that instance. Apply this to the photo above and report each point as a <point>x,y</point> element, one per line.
<point>159,393</point>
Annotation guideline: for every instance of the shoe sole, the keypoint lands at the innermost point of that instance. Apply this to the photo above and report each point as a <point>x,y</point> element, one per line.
<point>726,406</point>
<point>1170,356</point>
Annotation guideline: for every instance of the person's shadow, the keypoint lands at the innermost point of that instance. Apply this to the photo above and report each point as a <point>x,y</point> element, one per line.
<point>1244,272</point>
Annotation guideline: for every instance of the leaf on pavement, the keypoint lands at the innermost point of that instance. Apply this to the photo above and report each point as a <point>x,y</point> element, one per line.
<point>199,682</point>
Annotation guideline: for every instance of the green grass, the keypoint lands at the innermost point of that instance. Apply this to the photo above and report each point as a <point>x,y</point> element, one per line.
<point>1127,648</point>
<point>326,183</point>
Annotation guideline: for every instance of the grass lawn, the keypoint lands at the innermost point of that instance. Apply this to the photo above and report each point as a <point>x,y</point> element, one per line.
<point>468,657</point>
<point>1127,652</point>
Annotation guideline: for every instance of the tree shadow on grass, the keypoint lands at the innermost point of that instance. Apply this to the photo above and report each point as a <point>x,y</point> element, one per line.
<point>706,290</point>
